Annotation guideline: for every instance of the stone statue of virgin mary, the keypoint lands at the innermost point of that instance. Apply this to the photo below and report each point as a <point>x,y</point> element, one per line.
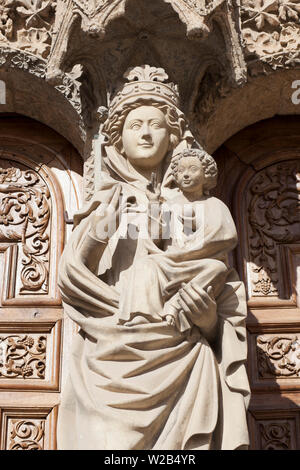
<point>147,384</point>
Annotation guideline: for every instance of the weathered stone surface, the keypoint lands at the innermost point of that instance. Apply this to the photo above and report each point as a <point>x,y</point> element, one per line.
<point>159,309</point>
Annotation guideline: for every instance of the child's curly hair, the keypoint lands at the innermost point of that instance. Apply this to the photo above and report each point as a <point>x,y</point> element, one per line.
<point>209,166</point>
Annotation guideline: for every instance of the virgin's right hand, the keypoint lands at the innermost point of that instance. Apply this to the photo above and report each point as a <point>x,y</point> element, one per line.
<point>106,219</point>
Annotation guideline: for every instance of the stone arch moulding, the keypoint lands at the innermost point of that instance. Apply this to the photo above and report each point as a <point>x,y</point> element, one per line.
<point>262,97</point>
<point>28,94</point>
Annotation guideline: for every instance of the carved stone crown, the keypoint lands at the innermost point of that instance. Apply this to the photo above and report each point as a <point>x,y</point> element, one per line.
<point>145,82</point>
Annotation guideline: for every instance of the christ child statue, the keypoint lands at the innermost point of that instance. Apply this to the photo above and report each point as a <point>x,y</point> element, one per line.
<point>195,250</point>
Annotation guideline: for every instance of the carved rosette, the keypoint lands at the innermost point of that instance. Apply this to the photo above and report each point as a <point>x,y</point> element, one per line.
<point>275,435</point>
<point>273,220</point>
<point>26,434</point>
<point>25,212</point>
<point>278,356</point>
<point>23,356</point>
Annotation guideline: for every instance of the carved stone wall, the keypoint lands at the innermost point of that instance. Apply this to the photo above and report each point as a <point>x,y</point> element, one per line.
<point>271,32</point>
<point>277,432</point>
<point>28,25</point>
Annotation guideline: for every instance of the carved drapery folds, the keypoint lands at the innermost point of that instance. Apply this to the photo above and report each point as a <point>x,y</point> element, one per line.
<point>272,208</point>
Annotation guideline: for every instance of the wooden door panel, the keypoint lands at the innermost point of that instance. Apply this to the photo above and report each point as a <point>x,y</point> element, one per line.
<point>28,428</point>
<point>268,222</point>
<point>30,355</point>
<point>37,184</point>
<point>259,180</point>
<point>274,429</point>
<point>31,222</point>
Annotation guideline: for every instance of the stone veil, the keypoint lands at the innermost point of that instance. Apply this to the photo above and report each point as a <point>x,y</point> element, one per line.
<point>148,385</point>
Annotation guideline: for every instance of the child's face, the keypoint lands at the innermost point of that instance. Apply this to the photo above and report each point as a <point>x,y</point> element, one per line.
<point>190,175</point>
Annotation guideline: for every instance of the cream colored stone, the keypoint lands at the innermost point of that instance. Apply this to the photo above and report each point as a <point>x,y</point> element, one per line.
<point>143,376</point>
<point>234,62</point>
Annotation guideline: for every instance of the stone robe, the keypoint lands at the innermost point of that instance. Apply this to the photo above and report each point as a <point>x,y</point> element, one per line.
<point>147,386</point>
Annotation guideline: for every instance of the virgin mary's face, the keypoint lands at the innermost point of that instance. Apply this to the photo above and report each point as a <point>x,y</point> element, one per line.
<point>145,137</point>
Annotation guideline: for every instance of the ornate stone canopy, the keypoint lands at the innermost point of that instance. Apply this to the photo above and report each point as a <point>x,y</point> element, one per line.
<point>218,52</point>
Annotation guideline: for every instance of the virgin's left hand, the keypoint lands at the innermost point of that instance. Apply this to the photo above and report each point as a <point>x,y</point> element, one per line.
<point>200,308</point>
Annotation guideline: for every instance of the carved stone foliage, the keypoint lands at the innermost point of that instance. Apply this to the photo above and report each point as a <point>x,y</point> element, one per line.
<point>24,218</point>
<point>271,31</point>
<point>26,434</point>
<point>27,24</point>
<point>273,220</point>
<point>278,356</point>
<point>68,84</point>
<point>22,356</point>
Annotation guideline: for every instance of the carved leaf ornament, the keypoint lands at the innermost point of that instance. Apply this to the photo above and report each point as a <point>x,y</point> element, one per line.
<point>26,434</point>
<point>27,24</point>
<point>273,218</point>
<point>275,435</point>
<point>261,12</point>
<point>271,28</point>
<point>278,356</point>
<point>24,217</point>
<point>22,356</point>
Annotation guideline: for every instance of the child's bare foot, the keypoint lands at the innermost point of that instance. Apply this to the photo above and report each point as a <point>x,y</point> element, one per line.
<point>138,320</point>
